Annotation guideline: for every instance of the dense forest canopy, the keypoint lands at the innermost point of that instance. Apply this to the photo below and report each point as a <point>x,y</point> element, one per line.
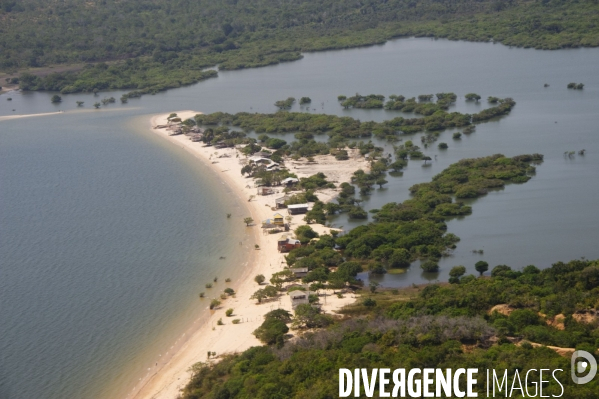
<point>185,36</point>
<point>444,326</point>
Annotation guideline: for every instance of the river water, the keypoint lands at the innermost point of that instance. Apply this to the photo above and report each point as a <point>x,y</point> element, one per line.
<point>108,233</point>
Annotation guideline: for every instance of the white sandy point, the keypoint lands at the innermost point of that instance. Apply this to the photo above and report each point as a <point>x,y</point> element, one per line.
<point>172,376</point>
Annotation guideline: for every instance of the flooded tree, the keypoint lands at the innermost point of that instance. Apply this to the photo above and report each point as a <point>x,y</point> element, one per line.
<point>472,97</point>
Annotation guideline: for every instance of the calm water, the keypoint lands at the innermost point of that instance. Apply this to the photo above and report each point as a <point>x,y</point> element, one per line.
<point>108,233</point>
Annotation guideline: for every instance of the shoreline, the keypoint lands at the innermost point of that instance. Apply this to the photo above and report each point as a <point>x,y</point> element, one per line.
<point>174,375</point>
<point>9,117</point>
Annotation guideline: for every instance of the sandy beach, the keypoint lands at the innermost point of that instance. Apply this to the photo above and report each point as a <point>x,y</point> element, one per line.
<point>172,376</point>
<point>5,118</point>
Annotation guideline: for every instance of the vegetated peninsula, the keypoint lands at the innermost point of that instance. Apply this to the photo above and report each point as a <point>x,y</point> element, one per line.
<point>155,45</point>
<point>318,273</point>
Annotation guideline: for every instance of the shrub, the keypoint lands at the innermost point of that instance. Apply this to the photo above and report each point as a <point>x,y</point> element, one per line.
<point>279,314</point>
<point>259,278</point>
<point>229,312</point>
<point>356,212</point>
<point>214,304</point>
<point>457,271</point>
<point>270,330</point>
<point>235,321</point>
<point>220,322</point>
<point>229,291</point>
<point>310,317</point>
<point>429,266</point>
<point>369,302</point>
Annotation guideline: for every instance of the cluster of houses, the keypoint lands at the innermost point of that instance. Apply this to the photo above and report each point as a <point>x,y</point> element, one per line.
<point>194,133</point>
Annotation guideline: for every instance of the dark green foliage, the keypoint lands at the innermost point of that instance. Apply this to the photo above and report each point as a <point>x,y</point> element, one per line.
<point>472,97</point>
<point>309,316</point>
<point>368,102</point>
<point>56,99</point>
<point>308,366</point>
<point>270,330</point>
<point>315,181</point>
<point>316,214</point>
<point>565,288</point>
<point>305,233</point>
<point>356,212</point>
<point>481,266</point>
<point>504,107</point>
<point>144,77</point>
<point>429,266</point>
<point>369,302</point>
<point>341,155</point>
<point>285,104</point>
<point>279,314</point>
<point>275,143</point>
<point>398,165</point>
<point>186,37</point>
<point>267,292</point>
<point>457,271</point>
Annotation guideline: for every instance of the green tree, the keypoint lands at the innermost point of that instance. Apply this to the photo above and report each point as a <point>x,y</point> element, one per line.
<point>279,314</point>
<point>259,295</point>
<point>430,266</point>
<point>398,165</point>
<point>481,266</point>
<point>260,279</point>
<point>373,286</point>
<point>381,181</point>
<point>472,97</point>
<point>270,330</point>
<point>457,271</point>
<point>248,221</point>
<point>310,317</point>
